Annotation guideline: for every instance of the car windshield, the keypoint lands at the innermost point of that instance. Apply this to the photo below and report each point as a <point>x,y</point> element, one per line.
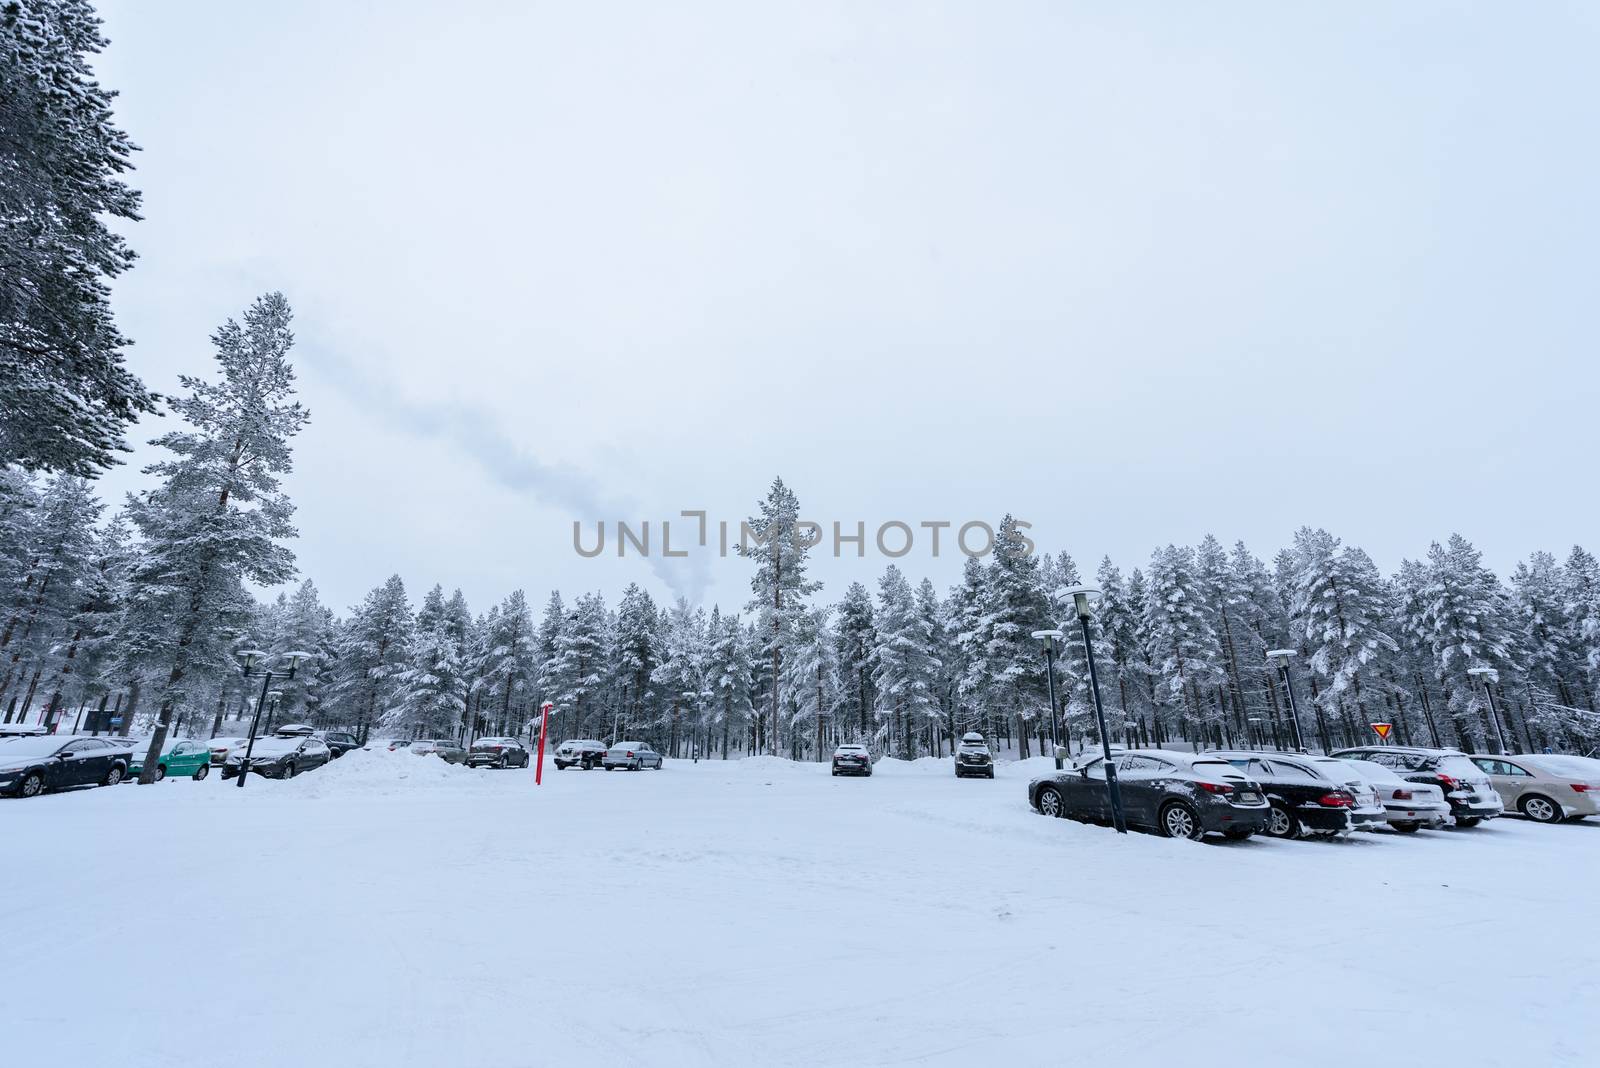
<point>1570,765</point>
<point>493,741</point>
<point>30,748</point>
<point>852,749</point>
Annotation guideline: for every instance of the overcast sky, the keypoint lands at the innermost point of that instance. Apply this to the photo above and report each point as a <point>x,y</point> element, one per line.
<point>1134,272</point>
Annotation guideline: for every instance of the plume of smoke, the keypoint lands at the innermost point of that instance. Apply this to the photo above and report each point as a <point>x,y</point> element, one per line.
<point>476,433</point>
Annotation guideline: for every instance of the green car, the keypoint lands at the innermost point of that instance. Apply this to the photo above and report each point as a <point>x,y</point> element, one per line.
<point>184,758</point>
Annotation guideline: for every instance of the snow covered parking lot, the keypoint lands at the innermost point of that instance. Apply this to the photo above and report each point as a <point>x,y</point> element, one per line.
<point>394,910</point>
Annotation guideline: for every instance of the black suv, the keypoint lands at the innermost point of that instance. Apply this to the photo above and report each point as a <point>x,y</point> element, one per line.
<point>1471,795</point>
<point>338,742</point>
<point>973,757</point>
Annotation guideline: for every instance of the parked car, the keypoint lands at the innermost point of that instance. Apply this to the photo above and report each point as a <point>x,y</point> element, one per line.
<point>1311,797</point>
<point>221,747</point>
<point>1546,788</point>
<point>22,730</point>
<point>1409,806</point>
<point>187,758</point>
<point>497,753</point>
<point>585,753</point>
<point>631,755</point>
<point>395,743</point>
<point>338,742</point>
<point>973,757</point>
<point>31,765</point>
<point>280,756</point>
<point>1180,795</point>
<point>443,748</point>
<point>852,760</point>
<point>1471,795</point>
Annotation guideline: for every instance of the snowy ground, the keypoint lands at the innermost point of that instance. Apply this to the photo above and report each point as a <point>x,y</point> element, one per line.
<point>393,910</point>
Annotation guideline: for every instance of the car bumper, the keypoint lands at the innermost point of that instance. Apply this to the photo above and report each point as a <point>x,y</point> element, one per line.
<point>485,758</point>
<point>1407,814</point>
<point>1476,808</point>
<point>852,769</point>
<point>984,769</point>
<point>1222,818</point>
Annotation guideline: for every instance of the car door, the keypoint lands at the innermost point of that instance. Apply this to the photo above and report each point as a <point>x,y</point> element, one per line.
<point>1510,780</point>
<point>1138,785</point>
<point>1090,797</point>
<point>77,766</point>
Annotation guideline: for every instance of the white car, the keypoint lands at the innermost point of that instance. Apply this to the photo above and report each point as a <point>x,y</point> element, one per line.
<point>1408,806</point>
<point>631,755</point>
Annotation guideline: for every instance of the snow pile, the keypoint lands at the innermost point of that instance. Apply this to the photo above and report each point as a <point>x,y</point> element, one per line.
<point>378,771</point>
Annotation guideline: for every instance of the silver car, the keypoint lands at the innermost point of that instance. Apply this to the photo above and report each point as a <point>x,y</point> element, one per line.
<point>1547,787</point>
<point>631,755</point>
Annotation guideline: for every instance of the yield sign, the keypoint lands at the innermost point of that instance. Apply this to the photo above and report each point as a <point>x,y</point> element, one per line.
<point>1383,729</point>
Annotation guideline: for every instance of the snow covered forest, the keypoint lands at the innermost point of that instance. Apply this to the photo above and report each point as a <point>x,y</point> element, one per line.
<point>135,612</point>
<point>92,600</point>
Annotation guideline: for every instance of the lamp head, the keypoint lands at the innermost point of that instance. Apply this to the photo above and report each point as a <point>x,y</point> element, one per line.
<point>1484,672</point>
<point>1280,655</point>
<point>1049,637</point>
<point>1080,598</point>
<point>274,696</point>
<point>249,658</point>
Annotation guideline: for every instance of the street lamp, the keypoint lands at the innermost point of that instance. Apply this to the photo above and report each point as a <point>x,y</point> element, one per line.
<point>1080,601</point>
<point>1281,656</point>
<point>248,662</point>
<point>1485,675</point>
<point>1050,637</point>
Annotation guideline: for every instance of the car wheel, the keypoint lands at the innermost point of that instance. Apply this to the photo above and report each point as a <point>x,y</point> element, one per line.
<point>505,762</point>
<point>201,772</point>
<point>1407,828</point>
<point>1178,820</point>
<point>114,776</point>
<point>32,785</point>
<point>1466,821</point>
<point>289,771</point>
<point>834,773</point>
<point>1281,822</point>
<point>991,773</point>
<point>1540,809</point>
<point>1051,803</point>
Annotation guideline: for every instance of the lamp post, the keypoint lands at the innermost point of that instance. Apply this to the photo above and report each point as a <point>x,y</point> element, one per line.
<point>1255,731</point>
<point>248,661</point>
<point>1281,656</point>
<point>1050,637</point>
<point>1485,675</point>
<point>1080,601</point>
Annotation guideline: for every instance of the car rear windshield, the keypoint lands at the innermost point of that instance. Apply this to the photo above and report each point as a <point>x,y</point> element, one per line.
<point>1460,766</point>
<point>1215,770</point>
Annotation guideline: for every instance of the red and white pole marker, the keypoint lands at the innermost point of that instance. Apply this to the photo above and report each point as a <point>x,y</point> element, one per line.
<point>546,710</point>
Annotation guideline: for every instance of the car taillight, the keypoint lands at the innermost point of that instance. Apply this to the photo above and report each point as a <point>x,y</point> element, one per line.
<point>1336,799</point>
<point>1215,787</point>
<point>1402,795</point>
<point>1449,782</point>
<point>630,752</point>
<point>1582,787</point>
